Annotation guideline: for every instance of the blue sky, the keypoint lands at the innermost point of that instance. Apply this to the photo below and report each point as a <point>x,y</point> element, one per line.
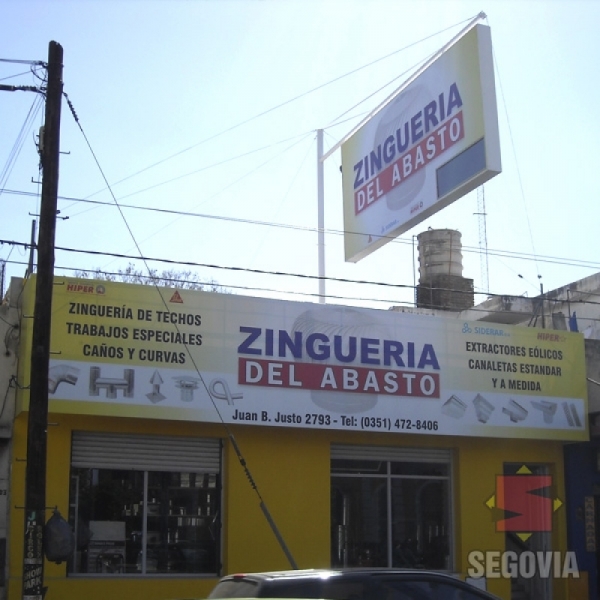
<point>211,107</point>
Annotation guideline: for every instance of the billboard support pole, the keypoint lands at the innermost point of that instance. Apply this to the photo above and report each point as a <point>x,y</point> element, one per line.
<point>321,215</point>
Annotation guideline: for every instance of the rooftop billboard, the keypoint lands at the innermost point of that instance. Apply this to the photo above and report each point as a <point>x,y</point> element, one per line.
<point>432,142</point>
<point>138,351</point>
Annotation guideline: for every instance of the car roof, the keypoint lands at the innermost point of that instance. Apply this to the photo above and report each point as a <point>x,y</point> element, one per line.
<point>325,573</point>
<point>274,579</point>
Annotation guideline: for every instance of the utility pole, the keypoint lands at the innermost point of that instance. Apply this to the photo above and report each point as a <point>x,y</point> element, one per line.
<point>37,425</point>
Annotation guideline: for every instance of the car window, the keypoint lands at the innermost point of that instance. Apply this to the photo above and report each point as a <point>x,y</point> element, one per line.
<point>446,591</point>
<point>295,588</point>
<point>235,588</point>
<point>339,588</point>
<point>405,590</point>
<point>426,590</point>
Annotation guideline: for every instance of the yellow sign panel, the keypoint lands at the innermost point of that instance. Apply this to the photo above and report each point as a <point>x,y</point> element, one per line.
<point>134,350</point>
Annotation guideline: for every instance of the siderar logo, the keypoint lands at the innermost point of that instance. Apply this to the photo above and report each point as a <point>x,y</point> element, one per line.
<point>527,507</point>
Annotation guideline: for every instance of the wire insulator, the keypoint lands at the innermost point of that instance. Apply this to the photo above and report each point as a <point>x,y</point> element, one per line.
<point>72,108</point>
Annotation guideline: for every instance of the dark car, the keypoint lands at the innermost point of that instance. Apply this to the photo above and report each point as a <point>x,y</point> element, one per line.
<point>349,584</point>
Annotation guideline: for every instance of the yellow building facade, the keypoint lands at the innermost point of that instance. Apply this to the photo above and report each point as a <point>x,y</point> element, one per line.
<point>227,439</point>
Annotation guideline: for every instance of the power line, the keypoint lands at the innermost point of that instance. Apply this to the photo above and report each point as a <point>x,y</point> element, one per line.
<point>18,145</point>
<point>508,254</point>
<point>196,171</point>
<point>512,141</point>
<point>255,271</point>
<point>278,106</point>
<point>394,302</point>
<point>210,266</point>
<point>571,262</point>
<point>37,63</point>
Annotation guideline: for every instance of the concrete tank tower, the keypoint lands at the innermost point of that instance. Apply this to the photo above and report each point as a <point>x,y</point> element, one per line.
<point>441,284</point>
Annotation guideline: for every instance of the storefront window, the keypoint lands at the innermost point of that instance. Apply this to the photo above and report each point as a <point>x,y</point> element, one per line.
<point>390,514</point>
<point>144,522</point>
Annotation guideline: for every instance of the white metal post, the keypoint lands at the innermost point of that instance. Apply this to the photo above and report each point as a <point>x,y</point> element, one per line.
<point>321,215</point>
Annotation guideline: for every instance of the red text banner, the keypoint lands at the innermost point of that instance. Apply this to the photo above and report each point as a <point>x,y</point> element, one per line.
<point>316,376</point>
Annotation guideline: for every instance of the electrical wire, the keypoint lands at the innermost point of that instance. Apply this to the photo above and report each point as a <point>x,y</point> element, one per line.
<point>283,199</point>
<point>518,170</point>
<point>14,76</point>
<point>509,254</point>
<point>571,262</point>
<point>222,288</point>
<point>230,184</point>
<point>18,145</point>
<point>362,299</point>
<point>220,163</point>
<point>16,61</point>
<point>148,259</point>
<point>345,75</point>
<point>383,87</point>
<point>160,294</point>
<point>278,106</point>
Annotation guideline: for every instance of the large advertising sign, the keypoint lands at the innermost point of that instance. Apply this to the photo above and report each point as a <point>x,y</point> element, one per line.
<point>433,142</point>
<point>139,351</point>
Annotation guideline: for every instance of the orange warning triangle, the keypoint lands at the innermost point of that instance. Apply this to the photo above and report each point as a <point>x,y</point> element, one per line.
<point>176,298</point>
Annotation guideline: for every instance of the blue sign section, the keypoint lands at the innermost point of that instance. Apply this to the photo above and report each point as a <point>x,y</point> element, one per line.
<point>461,168</point>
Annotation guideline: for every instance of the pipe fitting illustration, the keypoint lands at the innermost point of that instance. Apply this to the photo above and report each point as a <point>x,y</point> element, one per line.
<point>548,409</point>
<point>155,396</point>
<point>187,385</point>
<point>571,414</point>
<point>515,411</point>
<point>60,374</point>
<point>224,393</point>
<point>454,407</point>
<point>483,408</point>
<point>111,384</point>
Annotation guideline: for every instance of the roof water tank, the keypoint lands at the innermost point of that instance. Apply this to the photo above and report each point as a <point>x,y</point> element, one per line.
<point>439,253</point>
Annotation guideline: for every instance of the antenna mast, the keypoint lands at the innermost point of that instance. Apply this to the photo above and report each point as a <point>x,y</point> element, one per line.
<point>483,247</point>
